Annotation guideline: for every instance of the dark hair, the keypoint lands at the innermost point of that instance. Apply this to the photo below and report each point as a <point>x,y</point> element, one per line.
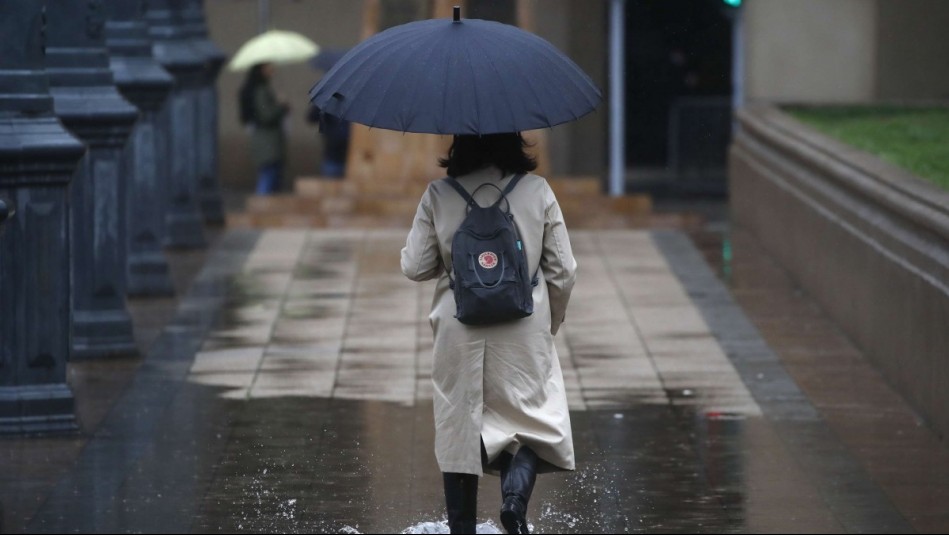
<point>255,77</point>
<point>469,153</point>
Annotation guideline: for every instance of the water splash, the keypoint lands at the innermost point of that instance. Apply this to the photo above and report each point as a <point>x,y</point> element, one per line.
<point>549,514</point>
<point>269,512</point>
<point>442,527</point>
<point>287,509</point>
<point>269,508</point>
<point>439,527</point>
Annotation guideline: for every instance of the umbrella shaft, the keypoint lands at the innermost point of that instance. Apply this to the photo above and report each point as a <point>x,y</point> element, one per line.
<point>617,100</point>
<point>263,15</point>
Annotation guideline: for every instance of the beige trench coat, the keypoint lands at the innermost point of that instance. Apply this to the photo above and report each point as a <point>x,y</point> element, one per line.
<point>501,383</point>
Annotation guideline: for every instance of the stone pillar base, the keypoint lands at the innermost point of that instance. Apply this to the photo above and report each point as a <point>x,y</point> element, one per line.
<point>102,334</point>
<point>37,409</point>
<point>212,207</point>
<point>185,230</point>
<point>148,275</point>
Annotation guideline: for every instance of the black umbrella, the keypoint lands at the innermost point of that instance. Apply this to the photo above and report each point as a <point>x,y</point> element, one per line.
<point>456,77</point>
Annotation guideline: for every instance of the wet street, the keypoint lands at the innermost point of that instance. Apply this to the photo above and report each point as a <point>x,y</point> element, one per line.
<point>291,392</point>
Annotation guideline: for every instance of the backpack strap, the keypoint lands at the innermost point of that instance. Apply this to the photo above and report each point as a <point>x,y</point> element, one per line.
<point>467,196</point>
<point>461,190</point>
<point>510,185</point>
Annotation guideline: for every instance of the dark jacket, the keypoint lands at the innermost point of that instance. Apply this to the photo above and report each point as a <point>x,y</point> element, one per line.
<point>268,142</point>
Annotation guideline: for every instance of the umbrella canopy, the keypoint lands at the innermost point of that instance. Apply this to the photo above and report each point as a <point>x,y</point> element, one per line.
<point>456,77</point>
<point>274,46</point>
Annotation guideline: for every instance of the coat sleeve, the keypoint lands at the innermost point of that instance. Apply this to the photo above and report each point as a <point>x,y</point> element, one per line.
<point>557,262</point>
<point>421,259</point>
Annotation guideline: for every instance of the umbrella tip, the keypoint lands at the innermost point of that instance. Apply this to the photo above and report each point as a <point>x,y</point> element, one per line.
<point>456,14</point>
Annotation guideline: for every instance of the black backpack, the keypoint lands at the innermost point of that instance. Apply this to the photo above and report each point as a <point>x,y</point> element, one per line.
<point>492,282</point>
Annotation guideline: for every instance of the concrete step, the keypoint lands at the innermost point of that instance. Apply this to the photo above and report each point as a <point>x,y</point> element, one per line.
<point>387,206</point>
<point>275,220</point>
<point>323,202</point>
<point>322,187</point>
<point>588,220</point>
<point>277,204</point>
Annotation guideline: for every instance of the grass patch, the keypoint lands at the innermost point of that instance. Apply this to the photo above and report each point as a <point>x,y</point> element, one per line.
<point>916,139</point>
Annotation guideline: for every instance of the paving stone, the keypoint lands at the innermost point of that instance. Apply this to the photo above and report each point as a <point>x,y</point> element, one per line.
<point>293,394</point>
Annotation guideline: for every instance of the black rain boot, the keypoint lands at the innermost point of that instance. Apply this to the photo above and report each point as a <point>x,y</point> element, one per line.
<point>517,484</point>
<point>461,501</point>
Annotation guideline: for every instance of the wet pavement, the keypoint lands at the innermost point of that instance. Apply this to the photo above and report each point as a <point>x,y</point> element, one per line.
<point>291,393</point>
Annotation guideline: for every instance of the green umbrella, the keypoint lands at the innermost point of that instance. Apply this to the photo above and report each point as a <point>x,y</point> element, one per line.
<point>274,46</point>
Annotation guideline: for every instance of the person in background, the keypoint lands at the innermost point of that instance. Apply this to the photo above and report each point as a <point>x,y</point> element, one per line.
<point>263,114</point>
<point>335,133</point>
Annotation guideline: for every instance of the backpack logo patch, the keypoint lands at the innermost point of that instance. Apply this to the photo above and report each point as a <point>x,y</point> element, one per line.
<point>488,260</point>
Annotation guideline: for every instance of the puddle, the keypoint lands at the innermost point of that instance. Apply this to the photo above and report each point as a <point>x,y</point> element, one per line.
<point>442,527</point>
<point>435,527</point>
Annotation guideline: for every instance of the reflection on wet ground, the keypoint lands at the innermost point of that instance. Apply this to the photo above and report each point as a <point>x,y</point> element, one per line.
<point>292,394</point>
<point>368,465</point>
<point>328,315</point>
<point>870,420</point>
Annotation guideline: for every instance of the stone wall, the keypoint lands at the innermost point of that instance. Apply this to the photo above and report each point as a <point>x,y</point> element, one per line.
<point>810,50</point>
<point>846,50</point>
<point>867,240</point>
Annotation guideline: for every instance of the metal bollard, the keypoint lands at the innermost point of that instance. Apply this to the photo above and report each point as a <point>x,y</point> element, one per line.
<point>146,84</point>
<point>172,48</point>
<point>87,102</point>
<point>209,189</point>
<point>38,158</point>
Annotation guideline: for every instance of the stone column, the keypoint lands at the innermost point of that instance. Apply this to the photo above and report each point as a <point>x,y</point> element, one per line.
<point>37,160</point>
<point>6,211</point>
<point>172,48</point>
<point>87,102</point>
<point>146,84</point>
<point>209,189</point>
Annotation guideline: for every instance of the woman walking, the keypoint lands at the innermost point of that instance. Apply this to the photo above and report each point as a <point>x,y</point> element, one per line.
<point>500,404</point>
<point>264,114</point>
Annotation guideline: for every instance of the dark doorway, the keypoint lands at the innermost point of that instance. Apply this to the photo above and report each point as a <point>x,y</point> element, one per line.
<point>678,87</point>
<point>497,10</point>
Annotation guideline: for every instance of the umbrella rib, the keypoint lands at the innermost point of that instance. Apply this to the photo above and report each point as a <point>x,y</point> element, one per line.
<point>502,81</point>
<point>567,68</point>
<point>561,93</point>
<point>362,55</point>
<point>530,84</point>
<point>532,41</point>
<point>357,70</point>
<point>418,81</point>
<point>406,58</point>
<point>474,82</point>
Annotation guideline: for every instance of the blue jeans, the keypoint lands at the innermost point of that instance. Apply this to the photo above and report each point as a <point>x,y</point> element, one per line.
<point>268,178</point>
<point>332,168</point>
